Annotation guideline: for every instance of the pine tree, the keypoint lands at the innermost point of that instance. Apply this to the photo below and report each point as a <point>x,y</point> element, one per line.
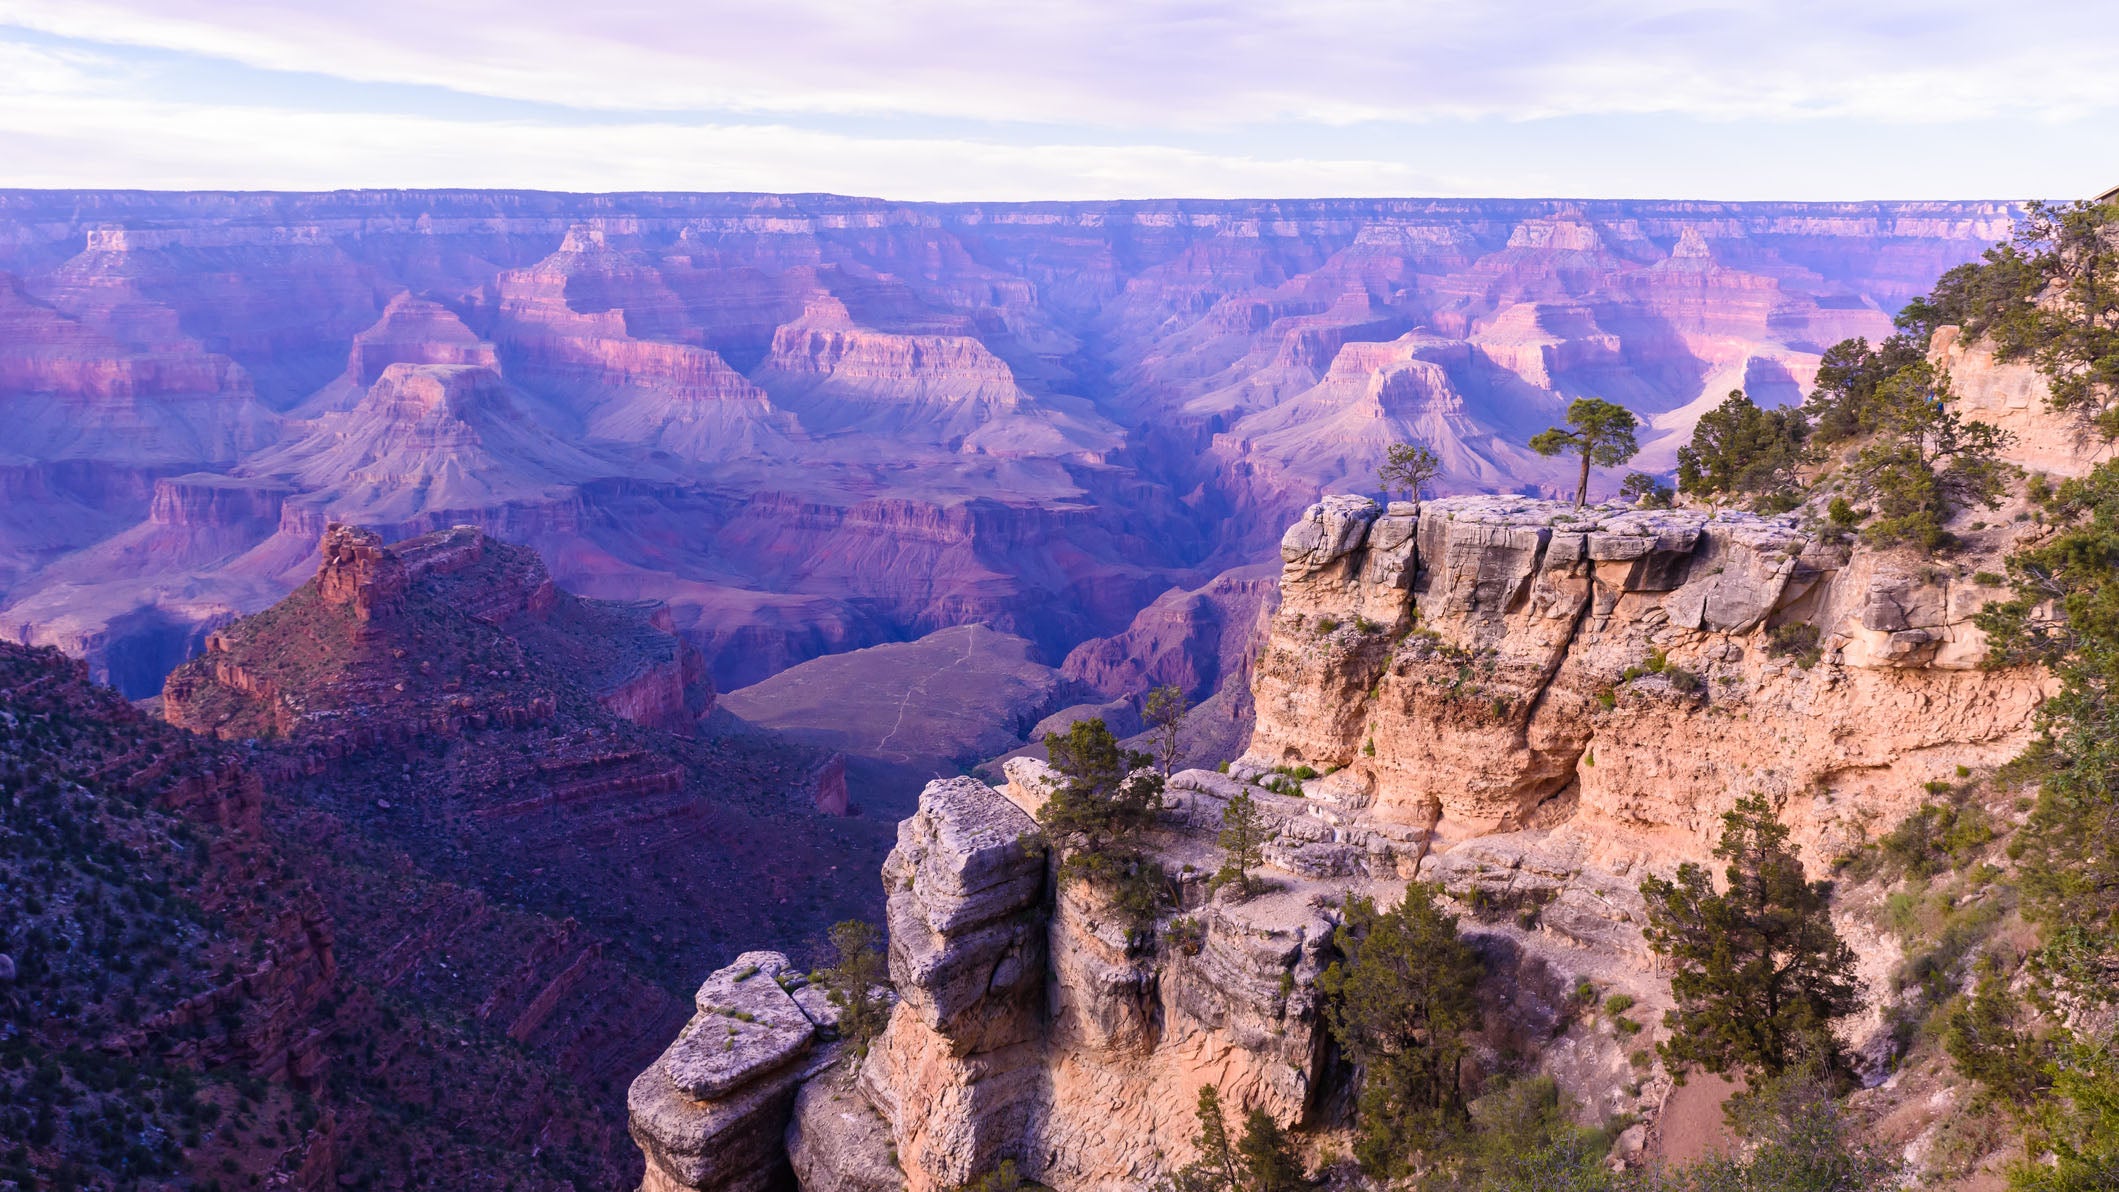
<point>1097,817</point>
<point>1602,433</point>
<point>1165,713</point>
<point>1760,971</point>
<point>1407,467</point>
<point>1269,1160</point>
<point>1243,839</point>
<point>1402,1003</point>
<point>1216,1166</point>
<point>1739,451</point>
<point>850,983</point>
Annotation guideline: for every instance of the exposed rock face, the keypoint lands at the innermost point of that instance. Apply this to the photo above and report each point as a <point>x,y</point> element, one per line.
<point>710,1113</point>
<point>1512,705</point>
<point>1197,640</point>
<point>2012,395</point>
<point>360,573</point>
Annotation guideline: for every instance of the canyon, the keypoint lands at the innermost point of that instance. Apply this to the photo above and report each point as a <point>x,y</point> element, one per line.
<point>809,424</point>
<point>541,600</point>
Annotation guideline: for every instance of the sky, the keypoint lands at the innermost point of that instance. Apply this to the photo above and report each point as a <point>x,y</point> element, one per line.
<point>1030,99</point>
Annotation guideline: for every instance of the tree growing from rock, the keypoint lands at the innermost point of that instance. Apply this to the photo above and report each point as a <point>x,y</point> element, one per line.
<point>1407,467</point>
<point>1597,431</point>
<point>1402,1003</point>
<point>1741,452</point>
<point>1165,713</point>
<point>1270,1163</point>
<point>1215,1170</point>
<point>2052,297</point>
<point>1262,1160</point>
<point>853,980</point>
<point>1761,974</point>
<point>1918,462</point>
<point>1095,821</point>
<point>1244,834</point>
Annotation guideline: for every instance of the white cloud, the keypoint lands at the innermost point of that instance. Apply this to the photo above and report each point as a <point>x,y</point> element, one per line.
<point>1171,63</point>
<point>947,100</point>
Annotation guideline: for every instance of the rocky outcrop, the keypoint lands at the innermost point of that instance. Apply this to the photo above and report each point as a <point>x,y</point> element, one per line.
<point>1033,1027</point>
<point>1528,703</point>
<point>359,573</point>
<point>711,1111</point>
<point>1619,675</point>
<point>370,670</point>
<point>2012,396</point>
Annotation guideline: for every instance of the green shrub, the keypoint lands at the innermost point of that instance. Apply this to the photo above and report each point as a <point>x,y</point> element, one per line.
<point>1797,640</point>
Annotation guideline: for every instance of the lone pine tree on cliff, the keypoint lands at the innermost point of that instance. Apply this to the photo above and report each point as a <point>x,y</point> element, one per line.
<point>1407,467</point>
<point>1598,431</point>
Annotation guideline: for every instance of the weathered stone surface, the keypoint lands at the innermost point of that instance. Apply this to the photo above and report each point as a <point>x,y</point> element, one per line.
<point>1537,624</point>
<point>747,1027</point>
<point>1329,531</point>
<point>837,1142</point>
<point>709,1114</point>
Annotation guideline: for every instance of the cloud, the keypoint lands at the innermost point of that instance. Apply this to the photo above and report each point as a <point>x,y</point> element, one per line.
<point>1170,63</point>
<point>1092,99</point>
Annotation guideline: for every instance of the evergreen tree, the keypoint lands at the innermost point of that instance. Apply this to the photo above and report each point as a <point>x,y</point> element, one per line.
<point>1645,491</point>
<point>2051,297</point>
<point>1760,971</point>
<point>1401,1001</point>
<point>1843,404</point>
<point>1526,1140</point>
<point>1243,840</point>
<point>1407,467</point>
<point>1598,431</point>
<point>1216,1168</point>
<point>1269,1160</point>
<point>852,980</point>
<point>2063,1081</point>
<point>1165,713</point>
<point>1741,452</point>
<point>1925,462</point>
<point>1097,817</point>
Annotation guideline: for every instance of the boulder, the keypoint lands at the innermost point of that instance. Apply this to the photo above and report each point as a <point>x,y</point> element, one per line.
<point>709,1114</point>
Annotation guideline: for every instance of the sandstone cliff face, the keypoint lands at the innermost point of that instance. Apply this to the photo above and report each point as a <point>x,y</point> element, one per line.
<point>1611,675</point>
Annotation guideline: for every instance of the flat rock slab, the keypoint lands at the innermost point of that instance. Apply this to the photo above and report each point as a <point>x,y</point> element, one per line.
<point>746,1028</point>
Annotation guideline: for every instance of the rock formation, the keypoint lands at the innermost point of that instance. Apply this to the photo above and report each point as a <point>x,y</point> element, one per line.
<point>1531,704</point>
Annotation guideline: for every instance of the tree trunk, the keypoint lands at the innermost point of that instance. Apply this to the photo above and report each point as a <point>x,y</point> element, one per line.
<point>1582,489</point>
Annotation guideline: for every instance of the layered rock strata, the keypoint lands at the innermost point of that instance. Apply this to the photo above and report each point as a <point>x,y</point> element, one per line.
<point>1494,664</point>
